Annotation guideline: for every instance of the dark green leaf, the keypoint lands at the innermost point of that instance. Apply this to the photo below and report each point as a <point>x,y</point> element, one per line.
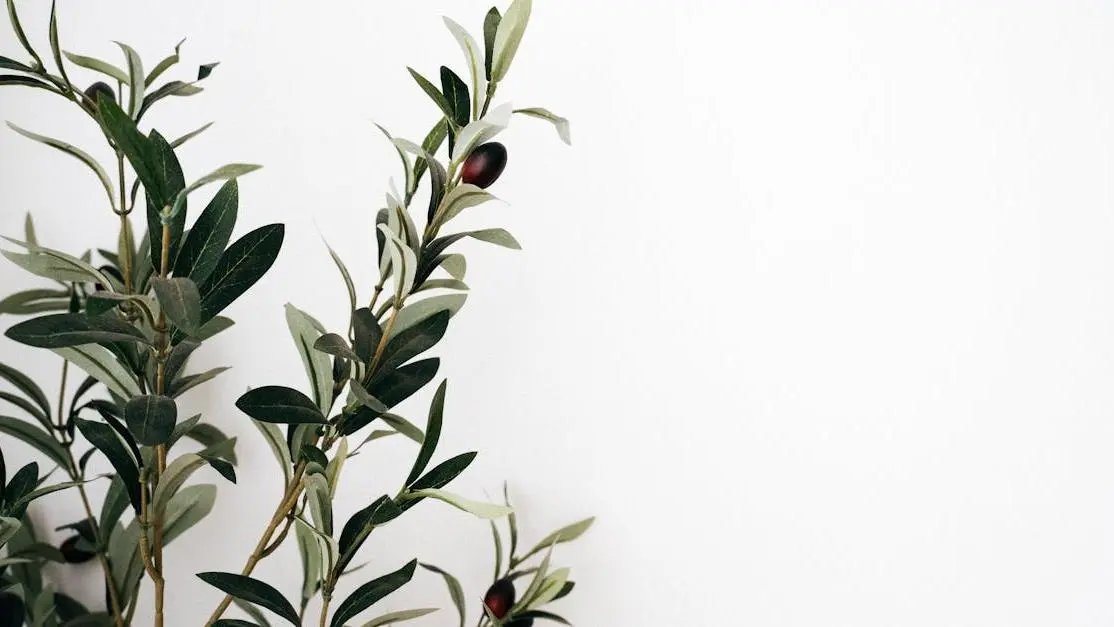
<point>333,344</point>
<point>368,333</point>
<point>252,590</point>
<point>26,406</point>
<point>187,383</point>
<point>431,90</point>
<point>36,437</point>
<point>66,608</point>
<point>432,434</point>
<point>143,156</point>
<point>74,329</point>
<point>444,472</point>
<point>456,592</point>
<point>172,88</point>
<point>151,418</point>
<point>491,26</point>
<point>115,502</point>
<point>209,436</point>
<point>223,467</point>
<point>178,356</point>
<point>371,592</point>
<point>34,301</point>
<point>456,93</point>
<point>24,384</point>
<point>22,483</point>
<point>311,453</point>
<point>180,301</point>
<point>275,403</point>
<point>240,267</point>
<point>218,324</point>
<point>209,235</point>
<point>233,622</point>
<point>171,180</point>
<point>538,614</point>
<point>412,342</point>
<point>430,145</point>
<point>565,590</point>
<point>205,70</point>
<point>11,64</point>
<point>112,415</point>
<point>105,439</point>
<point>404,382</point>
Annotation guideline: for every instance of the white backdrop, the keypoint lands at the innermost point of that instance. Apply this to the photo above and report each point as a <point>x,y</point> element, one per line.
<point>814,314</point>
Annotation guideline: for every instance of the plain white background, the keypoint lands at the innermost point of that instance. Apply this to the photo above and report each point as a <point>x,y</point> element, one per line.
<point>814,314</point>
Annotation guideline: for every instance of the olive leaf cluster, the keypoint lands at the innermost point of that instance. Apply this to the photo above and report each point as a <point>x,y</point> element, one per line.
<point>125,320</point>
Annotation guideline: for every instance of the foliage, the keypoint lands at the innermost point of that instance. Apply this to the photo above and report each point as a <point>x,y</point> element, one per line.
<point>130,321</point>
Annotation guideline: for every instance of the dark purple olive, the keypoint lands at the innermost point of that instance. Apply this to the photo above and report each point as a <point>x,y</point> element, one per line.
<point>97,89</point>
<point>74,555</point>
<point>484,165</point>
<point>500,598</point>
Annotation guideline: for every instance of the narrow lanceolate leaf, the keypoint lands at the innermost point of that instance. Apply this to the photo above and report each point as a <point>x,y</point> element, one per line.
<point>421,311</point>
<point>476,508</point>
<point>173,88</point>
<point>404,382</point>
<point>398,617</point>
<point>333,344</point>
<point>209,235</point>
<point>228,172</point>
<point>508,37</point>
<point>136,79</point>
<point>168,170</point>
<point>104,438</point>
<point>141,154</point>
<point>36,437</point>
<point>35,301</point>
<point>254,591</point>
<point>491,29</point>
<point>321,507</point>
<point>275,403</point>
<point>151,418</point>
<point>349,286</point>
<point>456,93</point>
<point>475,58</point>
<point>562,535</point>
<point>101,364</point>
<point>24,384</point>
<point>371,592</point>
<point>542,615</point>
<point>456,591</point>
<point>174,477</point>
<point>445,472</point>
<point>240,267</point>
<point>367,333</point>
<point>97,65</point>
<point>560,123</point>
<point>404,263</point>
<point>190,135</point>
<point>460,198</point>
<point>164,65</point>
<point>180,301</point>
<point>305,331</point>
<point>55,264</point>
<point>74,152</point>
<point>74,329</point>
<point>432,434</point>
<point>187,508</point>
<point>31,496</point>
<point>434,94</point>
<point>277,442</point>
<point>413,341</point>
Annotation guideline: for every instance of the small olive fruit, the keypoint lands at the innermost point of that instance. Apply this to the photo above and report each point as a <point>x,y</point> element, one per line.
<point>484,165</point>
<point>500,598</point>
<point>98,88</point>
<point>72,554</point>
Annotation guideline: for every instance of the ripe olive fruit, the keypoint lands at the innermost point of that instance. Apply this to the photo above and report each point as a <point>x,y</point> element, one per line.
<point>98,88</point>
<point>500,598</point>
<point>72,554</point>
<point>484,165</point>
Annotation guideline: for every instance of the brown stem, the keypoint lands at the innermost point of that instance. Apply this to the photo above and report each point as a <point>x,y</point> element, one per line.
<point>126,260</point>
<point>289,501</point>
<point>160,451</point>
<point>324,611</point>
<point>277,542</point>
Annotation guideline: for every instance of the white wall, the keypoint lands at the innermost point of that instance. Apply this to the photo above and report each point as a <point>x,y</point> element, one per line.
<point>815,314</point>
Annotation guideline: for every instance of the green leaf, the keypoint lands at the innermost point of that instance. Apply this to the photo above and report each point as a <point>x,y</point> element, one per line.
<point>456,591</point>
<point>143,156</point>
<point>560,123</point>
<point>252,590</point>
<point>227,172</point>
<point>550,587</point>
<point>253,612</point>
<point>444,472</point>
<point>371,592</point>
<point>175,475</point>
<point>24,384</point>
<point>431,90</point>
<point>463,196</point>
<point>512,524</point>
<point>35,301</point>
<point>190,135</point>
<point>305,331</point>
<point>114,505</point>
<point>225,469</point>
<point>498,540</point>
<point>398,617</point>
<point>74,329</point>
<point>275,403</point>
<point>406,168</point>
<point>35,437</point>
<point>28,407</point>
<point>173,88</point>
<point>151,418</point>
<point>430,145</point>
<point>209,235</point>
<point>205,70</point>
<point>491,29</point>
<point>367,333</point>
<point>421,311</point>
<point>26,81</point>
<point>456,93</point>
<point>562,535</point>
<point>211,328</point>
<point>179,356</point>
<point>475,58</point>
<point>164,65</point>
<point>171,180</point>
<point>539,614</point>
<point>413,341</point>
<point>404,382</point>
<point>361,523</point>
<point>136,79</point>
<point>432,434</point>
<point>508,36</point>
<point>234,622</point>
<point>20,35</point>
<point>101,364</point>
<point>404,264</point>
<point>104,438</point>
<point>185,384</point>
<point>208,436</point>
<point>56,265</point>
<point>31,496</point>
<point>476,508</point>
<point>102,67</point>
<point>442,284</point>
<point>240,267</point>
<point>344,274</point>
<point>403,426</point>
<point>74,152</point>
<point>320,506</point>
<point>187,508</point>
<point>480,131</point>
<point>274,438</point>
<point>180,301</point>
<point>333,344</point>
<point>11,64</point>
<point>309,550</point>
